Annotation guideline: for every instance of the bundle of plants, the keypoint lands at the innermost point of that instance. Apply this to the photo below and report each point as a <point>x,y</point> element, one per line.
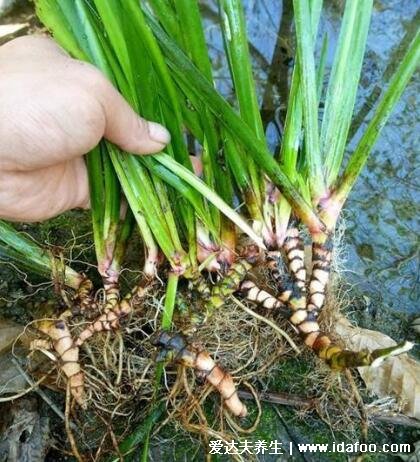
<point>223,281</point>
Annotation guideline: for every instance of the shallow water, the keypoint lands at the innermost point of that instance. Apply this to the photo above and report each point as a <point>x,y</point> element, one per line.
<point>381,243</point>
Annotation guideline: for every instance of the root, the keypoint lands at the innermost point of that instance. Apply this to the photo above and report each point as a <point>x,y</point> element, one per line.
<point>333,354</point>
<point>256,422</point>
<point>285,287</point>
<point>111,320</point>
<point>70,435</point>
<point>304,314</point>
<point>277,329</point>
<point>176,348</point>
<point>339,359</point>
<point>119,374</point>
<point>68,353</point>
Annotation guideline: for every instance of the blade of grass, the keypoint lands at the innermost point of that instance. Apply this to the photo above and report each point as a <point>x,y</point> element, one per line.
<point>343,83</point>
<point>294,116</point>
<point>236,45</point>
<point>183,188</point>
<point>154,105</point>
<point>163,107</point>
<point>193,33</point>
<point>125,231</point>
<point>140,433</point>
<point>310,107</point>
<point>212,197</point>
<point>132,10</point>
<point>292,137</point>
<point>112,201</point>
<point>137,185</point>
<point>170,298</point>
<point>390,97</point>
<point>215,174</point>
<point>168,19</point>
<point>105,199</point>
<point>96,187</point>
<point>320,71</point>
<point>26,253</point>
<point>237,162</point>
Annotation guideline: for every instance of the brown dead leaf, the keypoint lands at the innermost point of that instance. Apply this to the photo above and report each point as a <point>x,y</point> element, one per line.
<point>7,30</point>
<point>11,379</point>
<point>8,334</point>
<point>397,376</point>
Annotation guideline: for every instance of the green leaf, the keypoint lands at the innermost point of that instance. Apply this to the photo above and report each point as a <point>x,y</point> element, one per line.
<point>25,253</point>
<point>320,71</point>
<point>390,97</point>
<point>140,193</point>
<point>164,10</point>
<point>184,188</point>
<point>194,41</point>
<point>211,196</point>
<point>138,435</point>
<point>292,137</point>
<point>236,46</point>
<point>309,94</point>
<point>170,297</point>
<point>343,83</point>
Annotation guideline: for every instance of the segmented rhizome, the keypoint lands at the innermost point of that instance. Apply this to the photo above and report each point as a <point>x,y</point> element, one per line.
<point>176,347</point>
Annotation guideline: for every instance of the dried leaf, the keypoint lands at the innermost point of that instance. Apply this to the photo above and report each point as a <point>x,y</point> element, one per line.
<point>11,379</point>
<point>8,333</point>
<point>26,435</point>
<point>415,325</point>
<point>7,30</point>
<point>397,376</point>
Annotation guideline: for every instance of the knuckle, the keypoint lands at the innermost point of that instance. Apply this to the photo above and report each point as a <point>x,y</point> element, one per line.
<point>90,76</point>
<point>33,45</point>
<point>141,126</point>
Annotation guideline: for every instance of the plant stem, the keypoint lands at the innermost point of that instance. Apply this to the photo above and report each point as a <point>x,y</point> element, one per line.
<point>14,246</point>
<point>170,297</point>
<point>211,196</point>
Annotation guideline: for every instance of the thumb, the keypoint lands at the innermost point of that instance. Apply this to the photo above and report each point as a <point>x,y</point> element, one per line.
<point>127,129</point>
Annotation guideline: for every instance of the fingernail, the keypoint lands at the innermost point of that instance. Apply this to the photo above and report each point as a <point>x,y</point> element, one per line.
<point>158,133</point>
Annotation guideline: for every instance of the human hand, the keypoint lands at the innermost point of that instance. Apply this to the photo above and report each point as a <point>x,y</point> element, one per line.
<point>54,109</point>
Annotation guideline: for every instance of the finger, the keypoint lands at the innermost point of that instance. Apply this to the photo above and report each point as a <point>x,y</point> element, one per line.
<point>127,129</point>
<point>37,195</point>
<point>23,48</point>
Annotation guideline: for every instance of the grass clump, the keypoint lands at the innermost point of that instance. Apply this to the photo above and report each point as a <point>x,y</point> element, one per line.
<point>215,276</point>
